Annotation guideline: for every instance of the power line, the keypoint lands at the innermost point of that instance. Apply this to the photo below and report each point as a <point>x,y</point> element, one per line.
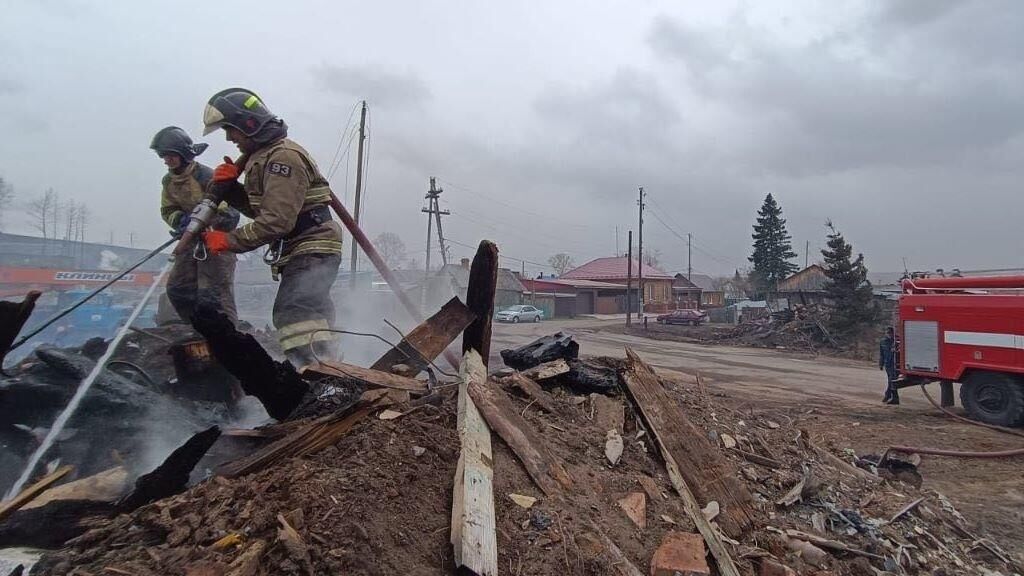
<point>514,231</point>
<point>336,160</point>
<point>471,247</point>
<point>514,207</point>
<point>695,245</point>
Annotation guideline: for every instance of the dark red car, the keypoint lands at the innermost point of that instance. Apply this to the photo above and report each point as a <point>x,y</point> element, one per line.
<point>692,317</point>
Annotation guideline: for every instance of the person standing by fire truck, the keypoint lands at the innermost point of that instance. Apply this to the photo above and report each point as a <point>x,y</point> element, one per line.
<point>887,362</point>
<point>197,276</point>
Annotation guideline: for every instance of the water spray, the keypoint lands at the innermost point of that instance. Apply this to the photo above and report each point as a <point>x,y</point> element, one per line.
<point>83,389</point>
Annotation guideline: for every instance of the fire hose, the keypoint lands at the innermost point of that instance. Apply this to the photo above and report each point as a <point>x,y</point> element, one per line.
<point>90,295</point>
<point>958,453</point>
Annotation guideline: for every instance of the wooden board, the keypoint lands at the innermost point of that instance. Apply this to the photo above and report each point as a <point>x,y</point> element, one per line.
<point>107,486</point>
<point>29,494</point>
<point>372,378</point>
<point>473,535</point>
<point>315,435</point>
<point>502,417</point>
<point>533,391</point>
<point>547,370</point>
<point>428,339</point>
<point>483,280</point>
<point>683,447</point>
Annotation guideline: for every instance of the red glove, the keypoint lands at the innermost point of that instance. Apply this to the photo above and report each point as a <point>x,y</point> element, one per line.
<point>226,172</point>
<point>216,241</point>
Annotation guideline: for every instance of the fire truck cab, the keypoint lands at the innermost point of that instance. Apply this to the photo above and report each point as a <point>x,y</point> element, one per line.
<point>968,330</point>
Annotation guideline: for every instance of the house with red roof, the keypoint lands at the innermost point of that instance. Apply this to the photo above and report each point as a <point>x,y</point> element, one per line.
<point>601,286</point>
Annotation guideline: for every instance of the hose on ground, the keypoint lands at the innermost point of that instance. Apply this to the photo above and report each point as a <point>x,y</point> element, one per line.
<point>136,368</point>
<point>958,453</point>
<point>954,453</point>
<point>968,420</point>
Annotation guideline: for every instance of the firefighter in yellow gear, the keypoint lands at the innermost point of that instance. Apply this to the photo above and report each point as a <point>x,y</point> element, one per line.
<point>194,278</point>
<point>288,199</point>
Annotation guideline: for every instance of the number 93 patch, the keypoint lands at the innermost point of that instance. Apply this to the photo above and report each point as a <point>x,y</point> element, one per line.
<point>280,169</point>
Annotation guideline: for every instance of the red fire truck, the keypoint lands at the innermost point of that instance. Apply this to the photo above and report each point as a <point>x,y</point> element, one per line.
<point>968,330</point>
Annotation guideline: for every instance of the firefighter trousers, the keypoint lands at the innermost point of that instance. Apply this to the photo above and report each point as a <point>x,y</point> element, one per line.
<point>192,281</point>
<point>303,306</point>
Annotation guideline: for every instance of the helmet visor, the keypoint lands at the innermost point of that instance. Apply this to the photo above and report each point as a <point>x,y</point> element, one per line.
<point>212,119</point>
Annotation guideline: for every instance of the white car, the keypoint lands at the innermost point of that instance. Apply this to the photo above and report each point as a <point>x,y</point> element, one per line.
<point>520,313</point>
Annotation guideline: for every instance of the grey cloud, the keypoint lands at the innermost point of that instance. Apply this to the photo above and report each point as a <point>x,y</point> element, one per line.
<point>10,86</point>
<point>909,13</point>
<point>822,107</point>
<point>381,87</point>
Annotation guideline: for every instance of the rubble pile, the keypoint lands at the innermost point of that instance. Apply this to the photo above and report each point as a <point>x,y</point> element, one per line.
<point>136,404</point>
<point>801,328</point>
<point>377,498</point>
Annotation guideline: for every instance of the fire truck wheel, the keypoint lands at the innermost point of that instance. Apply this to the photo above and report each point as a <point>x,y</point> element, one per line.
<point>994,398</point>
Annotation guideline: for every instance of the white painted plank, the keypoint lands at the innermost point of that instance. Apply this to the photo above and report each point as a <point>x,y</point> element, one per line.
<point>473,534</point>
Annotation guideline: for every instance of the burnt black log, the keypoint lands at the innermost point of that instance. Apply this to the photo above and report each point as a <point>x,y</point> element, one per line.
<point>54,523</point>
<point>545,349</point>
<point>275,384</point>
<point>586,377</point>
<point>13,316</point>
<point>483,281</point>
<point>170,477</point>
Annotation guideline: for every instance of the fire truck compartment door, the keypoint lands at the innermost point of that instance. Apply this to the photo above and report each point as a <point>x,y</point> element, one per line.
<point>921,345</point>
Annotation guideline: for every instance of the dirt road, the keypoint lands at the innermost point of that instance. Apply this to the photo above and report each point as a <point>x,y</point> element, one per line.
<point>753,371</point>
<point>837,401</point>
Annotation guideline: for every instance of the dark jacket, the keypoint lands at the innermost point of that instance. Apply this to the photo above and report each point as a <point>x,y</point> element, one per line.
<point>887,354</point>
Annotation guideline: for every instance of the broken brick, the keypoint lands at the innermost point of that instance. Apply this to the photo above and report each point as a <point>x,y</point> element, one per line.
<point>680,554</point>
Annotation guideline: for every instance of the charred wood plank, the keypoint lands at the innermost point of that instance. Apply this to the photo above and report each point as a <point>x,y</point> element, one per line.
<point>170,477</point>
<point>13,316</point>
<point>483,280</point>
<point>52,525</point>
<point>429,339</point>
<point>366,376</point>
<point>557,346</point>
<point>56,522</point>
<point>698,471</point>
<point>587,377</point>
<point>308,438</point>
<point>533,391</point>
<point>502,417</point>
<point>275,384</point>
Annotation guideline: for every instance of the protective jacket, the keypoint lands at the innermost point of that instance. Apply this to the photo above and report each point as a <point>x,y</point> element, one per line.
<point>283,182</point>
<point>181,193</point>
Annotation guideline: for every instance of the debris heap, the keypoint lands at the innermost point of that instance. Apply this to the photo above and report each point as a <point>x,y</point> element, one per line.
<point>582,484</point>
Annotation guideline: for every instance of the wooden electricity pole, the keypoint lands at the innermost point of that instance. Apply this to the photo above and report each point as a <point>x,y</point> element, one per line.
<point>359,190</point>
<point>689,255</point>
<point>629,278</point>
<point>640,255</point>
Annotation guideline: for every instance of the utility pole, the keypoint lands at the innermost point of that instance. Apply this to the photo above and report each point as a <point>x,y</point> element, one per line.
<point>359,190</point>
<point>807,253</point>
<point>640,255</point>
<point>434,213</point>
<point>629,278</point>
<point>689,255</point>
<point>617,242</point>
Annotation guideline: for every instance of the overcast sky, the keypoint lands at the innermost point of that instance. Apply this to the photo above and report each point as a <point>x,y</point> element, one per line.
<point>901,121</point>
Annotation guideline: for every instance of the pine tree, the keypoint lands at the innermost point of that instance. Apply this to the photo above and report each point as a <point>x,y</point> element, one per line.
<point>772,248</point>
<point>847,286</point>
